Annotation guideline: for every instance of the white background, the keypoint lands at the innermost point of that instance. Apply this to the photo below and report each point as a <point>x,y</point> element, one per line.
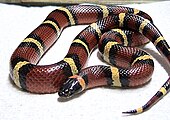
<point>17,22</point>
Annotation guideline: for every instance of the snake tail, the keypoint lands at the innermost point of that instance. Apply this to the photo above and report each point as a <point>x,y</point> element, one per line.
<point>159,94</point>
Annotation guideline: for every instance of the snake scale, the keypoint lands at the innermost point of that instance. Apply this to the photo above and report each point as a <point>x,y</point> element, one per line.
<point>116,30</point>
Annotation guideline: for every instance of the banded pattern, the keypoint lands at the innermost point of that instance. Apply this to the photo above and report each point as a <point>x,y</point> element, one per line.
<point>34,78</point>
<point>118,76</point>
<point>43,37</point>
<point>128,68</point>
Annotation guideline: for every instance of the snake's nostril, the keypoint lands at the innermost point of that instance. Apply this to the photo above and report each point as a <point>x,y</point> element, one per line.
<point>61,93</point>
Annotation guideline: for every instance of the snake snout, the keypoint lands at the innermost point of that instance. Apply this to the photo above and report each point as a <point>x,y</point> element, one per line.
<point>69,88</point>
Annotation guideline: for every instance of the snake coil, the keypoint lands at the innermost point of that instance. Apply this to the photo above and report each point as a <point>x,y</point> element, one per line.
<point>131,66</point>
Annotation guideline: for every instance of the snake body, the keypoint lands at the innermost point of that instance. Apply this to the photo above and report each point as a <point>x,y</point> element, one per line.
<point>134,71</point>
<point>131,67</point>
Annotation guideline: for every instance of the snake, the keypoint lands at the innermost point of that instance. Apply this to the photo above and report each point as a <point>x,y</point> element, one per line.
<point>116,30</point>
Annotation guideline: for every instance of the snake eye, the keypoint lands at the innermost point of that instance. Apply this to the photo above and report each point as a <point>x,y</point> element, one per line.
<point>69,88</point>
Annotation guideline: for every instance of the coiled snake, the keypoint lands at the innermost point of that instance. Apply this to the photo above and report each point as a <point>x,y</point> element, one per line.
<point>130,66</point>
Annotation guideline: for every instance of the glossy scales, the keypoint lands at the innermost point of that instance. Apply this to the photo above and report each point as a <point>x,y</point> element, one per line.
<point>34,78</point>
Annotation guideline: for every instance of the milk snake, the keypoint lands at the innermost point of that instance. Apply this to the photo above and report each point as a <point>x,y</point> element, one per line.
<point>131,66</point>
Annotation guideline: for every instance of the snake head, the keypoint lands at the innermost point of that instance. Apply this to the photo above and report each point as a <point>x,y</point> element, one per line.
<point>75,84</point>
